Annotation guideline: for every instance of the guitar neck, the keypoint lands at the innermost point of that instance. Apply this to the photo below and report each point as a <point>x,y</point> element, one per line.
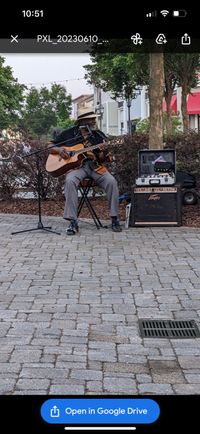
<point>89,148</point>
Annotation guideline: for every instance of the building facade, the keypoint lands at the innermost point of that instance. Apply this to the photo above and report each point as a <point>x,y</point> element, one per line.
<point>113,115</point>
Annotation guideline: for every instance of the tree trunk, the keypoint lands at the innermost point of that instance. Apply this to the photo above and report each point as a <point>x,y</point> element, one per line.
<point>169,88</point>
<point>156,93</point>
<point>184,109</point>
<point>168,114</point>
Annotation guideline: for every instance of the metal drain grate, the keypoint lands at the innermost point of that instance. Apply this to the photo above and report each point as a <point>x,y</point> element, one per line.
<point>168,329</point>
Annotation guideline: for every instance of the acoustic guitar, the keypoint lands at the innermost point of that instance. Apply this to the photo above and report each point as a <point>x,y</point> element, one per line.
<point>57,166</point>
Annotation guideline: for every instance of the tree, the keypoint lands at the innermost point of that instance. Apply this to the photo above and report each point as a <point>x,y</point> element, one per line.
<point>170,84</point>
<point>156,93</point>
<point>45,109</point>
<point>121,74</point>
<point>11,97</point>
<point>185,68</point>
<point>61,104</point>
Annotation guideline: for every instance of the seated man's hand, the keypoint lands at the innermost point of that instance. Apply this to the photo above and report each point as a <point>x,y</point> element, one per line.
<point>105,158</point>
<point>104,146</point>
<point>63,153</point>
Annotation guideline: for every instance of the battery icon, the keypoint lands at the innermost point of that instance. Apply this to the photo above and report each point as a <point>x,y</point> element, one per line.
<point>179,13</point>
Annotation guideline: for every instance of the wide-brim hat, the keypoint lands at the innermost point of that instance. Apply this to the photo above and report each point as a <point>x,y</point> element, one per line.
<point>85,113</point>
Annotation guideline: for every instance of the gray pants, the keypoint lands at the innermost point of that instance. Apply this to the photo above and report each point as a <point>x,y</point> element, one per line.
<point>106,181</point>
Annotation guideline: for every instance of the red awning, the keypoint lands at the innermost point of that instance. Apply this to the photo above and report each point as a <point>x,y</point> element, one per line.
<point>193,103</point>
<point>173,104</point>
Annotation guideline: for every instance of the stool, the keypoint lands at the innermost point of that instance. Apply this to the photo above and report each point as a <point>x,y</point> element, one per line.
<point>84,187</point>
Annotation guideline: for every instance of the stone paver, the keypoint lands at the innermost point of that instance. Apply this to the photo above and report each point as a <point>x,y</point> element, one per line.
<point>69,309</point>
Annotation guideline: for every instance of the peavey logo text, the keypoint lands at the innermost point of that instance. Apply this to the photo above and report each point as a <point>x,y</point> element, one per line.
<point>154,197</point>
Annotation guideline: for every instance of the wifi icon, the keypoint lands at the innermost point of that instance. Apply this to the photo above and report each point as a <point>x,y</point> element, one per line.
<point>164,13</point>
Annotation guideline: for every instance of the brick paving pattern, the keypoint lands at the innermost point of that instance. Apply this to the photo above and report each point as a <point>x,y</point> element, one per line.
<point>69,309</point>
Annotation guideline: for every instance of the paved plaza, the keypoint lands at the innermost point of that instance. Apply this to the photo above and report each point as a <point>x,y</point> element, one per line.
<point>70,305</point>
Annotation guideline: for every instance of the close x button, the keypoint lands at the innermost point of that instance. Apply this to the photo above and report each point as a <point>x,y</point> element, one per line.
<point>14,39</point>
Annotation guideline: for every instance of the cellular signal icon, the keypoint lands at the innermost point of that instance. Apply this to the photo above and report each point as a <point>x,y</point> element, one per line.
<point>151,14</point>
<point>164,13</point>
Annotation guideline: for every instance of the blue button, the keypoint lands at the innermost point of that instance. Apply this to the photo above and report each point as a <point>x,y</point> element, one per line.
<point>86,411</point>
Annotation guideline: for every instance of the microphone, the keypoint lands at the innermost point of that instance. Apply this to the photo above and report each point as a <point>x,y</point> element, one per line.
<point>87,128</point>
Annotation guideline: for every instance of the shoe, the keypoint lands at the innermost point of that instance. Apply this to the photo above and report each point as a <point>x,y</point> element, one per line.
<point>116,226</point>
<point>73,228</point>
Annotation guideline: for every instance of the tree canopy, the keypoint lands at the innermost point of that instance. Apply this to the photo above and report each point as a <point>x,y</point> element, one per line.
<point>121,74</point>
<point>185,67</point>
<point>11,97</point>
<point>45,109</point>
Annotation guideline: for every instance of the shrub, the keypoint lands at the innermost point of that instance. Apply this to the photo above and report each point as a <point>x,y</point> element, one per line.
<point>143,125</point>
<point>187,148</point>
<point>21,172</point>
<point>125,164</point>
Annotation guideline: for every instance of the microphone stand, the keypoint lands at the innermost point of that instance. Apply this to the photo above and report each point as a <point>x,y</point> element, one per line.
<point>40,225</point>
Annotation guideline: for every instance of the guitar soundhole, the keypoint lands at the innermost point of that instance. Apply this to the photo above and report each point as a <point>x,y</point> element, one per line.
<point>72,153</point>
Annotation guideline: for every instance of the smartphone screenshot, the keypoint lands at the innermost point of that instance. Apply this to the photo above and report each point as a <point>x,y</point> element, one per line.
<point>100,219</point>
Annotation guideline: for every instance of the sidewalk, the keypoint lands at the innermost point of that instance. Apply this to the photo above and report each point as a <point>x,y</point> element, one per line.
<point>69,309</point>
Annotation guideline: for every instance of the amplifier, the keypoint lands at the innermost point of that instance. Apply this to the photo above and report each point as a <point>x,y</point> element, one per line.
<point>157,179</point>
<point>156,206</point>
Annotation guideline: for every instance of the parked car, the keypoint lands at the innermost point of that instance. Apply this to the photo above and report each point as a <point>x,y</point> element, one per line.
<point>188,186</point>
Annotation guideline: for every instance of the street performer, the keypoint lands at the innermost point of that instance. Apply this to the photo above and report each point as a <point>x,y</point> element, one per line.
<point>93,166</point>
